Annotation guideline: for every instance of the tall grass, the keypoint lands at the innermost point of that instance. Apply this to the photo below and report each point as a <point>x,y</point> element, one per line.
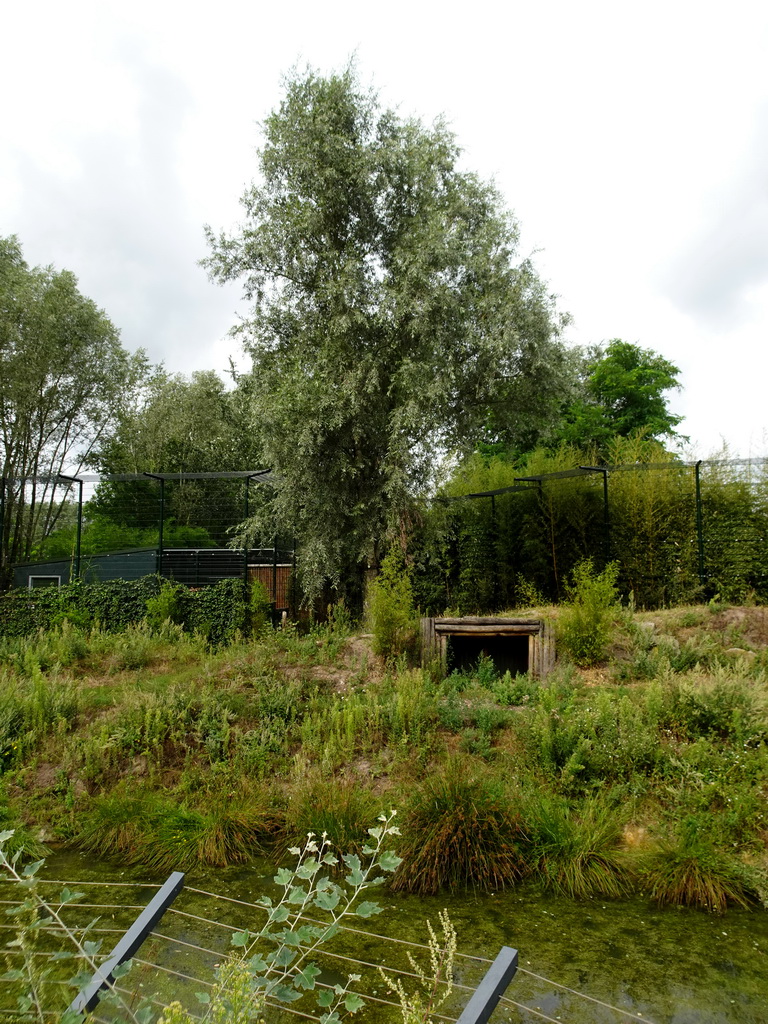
<point>150,830</point>
<point>343,810</point>
<point>31,708</point>
<point>459,832</point>
<point>575,850</point>
<point>691,872</point>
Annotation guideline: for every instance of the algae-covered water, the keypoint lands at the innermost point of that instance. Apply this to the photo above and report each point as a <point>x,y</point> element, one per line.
<point>669,966</point>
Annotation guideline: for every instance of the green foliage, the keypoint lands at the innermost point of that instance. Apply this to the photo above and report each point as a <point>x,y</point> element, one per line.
<point>167,606</point>
<point>155,832</point>
<point>32,708</point>
<point>692,872</point>
<point>259,607</point>
<point>276,963</point>
<point>339,810</point>
<point>480,555</point>
<point>24,844</point>
<point>219,612</point>
<point>63,375</point>
<point>391,615</point>
<point>585,625</point>
<point>390,311</point>
<point>101,534</point>
<point>623,394</point>
<point>459,832</point>
<point>575,850</point>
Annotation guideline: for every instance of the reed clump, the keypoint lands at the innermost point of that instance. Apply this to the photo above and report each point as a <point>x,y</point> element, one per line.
<point>576,850</point>
<point>339,809</point>
<point>692,872</point>
<point>459,832</point>
<point>151,830</point>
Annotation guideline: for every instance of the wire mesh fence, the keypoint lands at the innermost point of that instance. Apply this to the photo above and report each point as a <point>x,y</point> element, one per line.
<point>681,532</point>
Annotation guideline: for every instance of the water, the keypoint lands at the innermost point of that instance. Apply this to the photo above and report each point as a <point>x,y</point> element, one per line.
<point>669,966</point>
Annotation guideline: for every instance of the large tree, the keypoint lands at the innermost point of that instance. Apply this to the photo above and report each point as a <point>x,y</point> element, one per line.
<point>390,312</point>
<point>62,375</point>
<point>624,391</point>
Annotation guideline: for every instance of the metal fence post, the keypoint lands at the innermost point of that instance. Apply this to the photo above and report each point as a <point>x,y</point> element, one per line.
<point>491,988</point>
<point>606,513</point>
<point>75,480</point>
<point>88,996</point>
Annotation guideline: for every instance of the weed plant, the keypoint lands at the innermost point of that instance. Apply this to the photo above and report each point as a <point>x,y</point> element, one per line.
<point>340,810</point>
<point>585,624</point>
<point>150,830</point>
<point>31,708</point>
<point>390,609</point>
<point>692,872</point>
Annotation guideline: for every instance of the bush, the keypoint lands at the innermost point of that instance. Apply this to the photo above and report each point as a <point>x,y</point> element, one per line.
<point>391,614</point>
<point>341,811</point>
<point>585,624</point>
<point>151,831</point>
<point>691,872</point>
<point>167,606</point>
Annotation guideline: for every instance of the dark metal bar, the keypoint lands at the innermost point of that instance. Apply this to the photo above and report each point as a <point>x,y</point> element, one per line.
<point>606,513</point>
<point>88,996</point>
<point>494,554</point>
<point>491,988</point>
<point>78,542</point>
<point>699,522</point>
<point>2,529</point>
<point>294,610</point>
<point>274,573</point>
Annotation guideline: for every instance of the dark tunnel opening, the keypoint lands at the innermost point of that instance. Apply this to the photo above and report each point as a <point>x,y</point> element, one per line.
<point>508,653</point>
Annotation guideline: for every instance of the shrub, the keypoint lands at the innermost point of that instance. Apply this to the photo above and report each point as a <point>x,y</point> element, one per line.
<point>391,614</point>
<point>259,607</point>
<point>339,810</point>
<point>459,831</point>
<point>151,831</point>
<point>584,625</point>
<point>167,606</point>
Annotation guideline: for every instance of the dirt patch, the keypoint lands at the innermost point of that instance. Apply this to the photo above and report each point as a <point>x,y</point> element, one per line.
<point>749,624</point>
<point>356,664</point>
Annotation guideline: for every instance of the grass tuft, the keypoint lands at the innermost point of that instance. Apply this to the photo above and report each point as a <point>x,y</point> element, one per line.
<point>576,851</point>
<point>459,832</point>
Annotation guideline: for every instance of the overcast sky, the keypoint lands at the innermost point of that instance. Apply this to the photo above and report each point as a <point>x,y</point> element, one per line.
<point>631,141</point>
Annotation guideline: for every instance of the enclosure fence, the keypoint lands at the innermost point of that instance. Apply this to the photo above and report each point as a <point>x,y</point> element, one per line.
<point>679,531</point>
<point>176,934</point>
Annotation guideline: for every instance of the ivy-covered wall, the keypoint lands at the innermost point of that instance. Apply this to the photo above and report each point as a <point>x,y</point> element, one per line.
<point>219,611</point>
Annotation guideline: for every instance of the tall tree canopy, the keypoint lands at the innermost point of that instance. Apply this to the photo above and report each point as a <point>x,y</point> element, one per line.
<point>63,373</point>
<point>623,391</point>
<point>390,312</point>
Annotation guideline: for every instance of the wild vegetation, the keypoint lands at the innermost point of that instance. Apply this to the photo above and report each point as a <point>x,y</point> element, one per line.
<point>646,769</point>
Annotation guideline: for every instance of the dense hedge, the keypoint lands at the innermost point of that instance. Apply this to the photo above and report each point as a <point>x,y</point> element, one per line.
<point>218,611</point>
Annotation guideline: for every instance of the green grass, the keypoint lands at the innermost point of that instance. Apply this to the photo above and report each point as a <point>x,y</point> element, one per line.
<point>575,849</point>
<point>298,734</point>
<point>691,872</point>
<point>151,830</point>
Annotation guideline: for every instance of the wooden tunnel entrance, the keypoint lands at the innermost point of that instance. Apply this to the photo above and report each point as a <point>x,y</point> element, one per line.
<point>514,645</point>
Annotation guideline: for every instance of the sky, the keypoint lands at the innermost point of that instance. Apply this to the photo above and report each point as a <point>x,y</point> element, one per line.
<point>630,141</point>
